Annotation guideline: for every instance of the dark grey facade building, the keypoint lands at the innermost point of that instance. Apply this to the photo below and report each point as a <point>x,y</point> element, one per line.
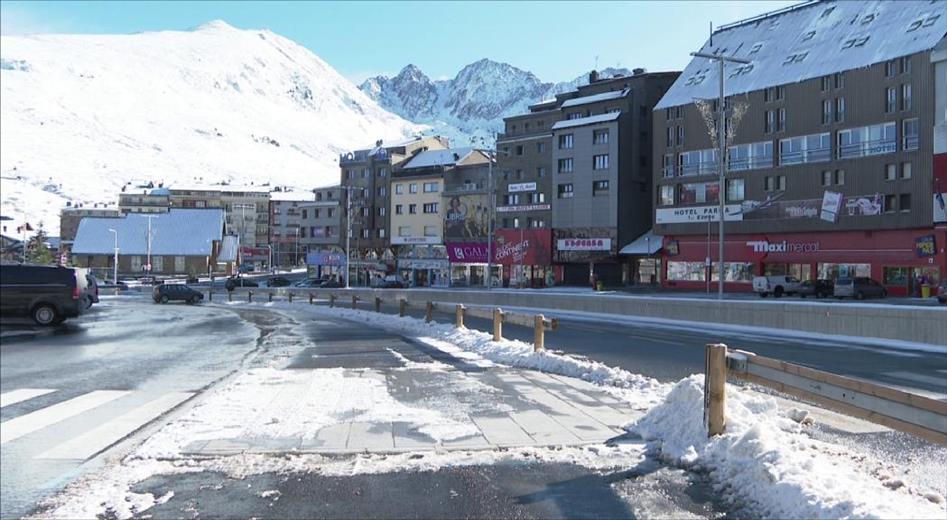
<point>830,168</point>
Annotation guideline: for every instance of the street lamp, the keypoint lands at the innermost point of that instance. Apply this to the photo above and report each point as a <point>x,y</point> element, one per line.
<point>115,261</point>
<point>721,154</point>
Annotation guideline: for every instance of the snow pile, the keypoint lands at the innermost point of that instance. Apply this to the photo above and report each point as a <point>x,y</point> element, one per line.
<point>766,463</point>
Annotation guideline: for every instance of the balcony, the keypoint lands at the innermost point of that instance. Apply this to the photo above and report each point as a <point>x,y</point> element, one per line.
<point>867,148</point>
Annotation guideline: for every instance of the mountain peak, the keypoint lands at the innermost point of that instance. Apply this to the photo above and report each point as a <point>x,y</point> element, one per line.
<point>215,25</point>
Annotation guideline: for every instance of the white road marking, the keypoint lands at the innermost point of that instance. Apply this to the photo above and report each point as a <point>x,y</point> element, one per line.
<point>930,380</point>
<point>108,433</point>
<point>23,394</point>
<point>31,422</point>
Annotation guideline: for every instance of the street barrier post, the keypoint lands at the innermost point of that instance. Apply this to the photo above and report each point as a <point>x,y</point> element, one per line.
<point>539,333</point>
<point>269,296</point>
<point>497,324</point>
<point>354,302</point>
<point>459,313</point>
<point>402,303</point>
<point>310,298</point>
<point>249,296</point>
<point>331,300</point>
<point>289,295</point>
<point>210,296</point>
<point>377,304</point>
<point>429,317</point>
<point>716,382</point>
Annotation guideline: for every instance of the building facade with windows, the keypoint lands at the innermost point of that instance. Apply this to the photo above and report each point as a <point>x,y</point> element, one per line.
<point>144,200</point>
<point>829,169</point>
<point>246,209</point>
<point>286,228</point>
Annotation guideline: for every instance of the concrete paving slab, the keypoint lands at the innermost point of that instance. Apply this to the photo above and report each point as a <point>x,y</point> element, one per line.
<point>544,429</point>
<point>372,437</point>
<point>224,447</point>
<point>502,431</point>
<point>470,442</point>
<point>408,438</point>
<point>331,438</point>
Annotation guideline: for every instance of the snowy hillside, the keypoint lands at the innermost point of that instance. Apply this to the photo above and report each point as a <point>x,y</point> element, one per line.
<point>84,114</point>
<point>472,105</point>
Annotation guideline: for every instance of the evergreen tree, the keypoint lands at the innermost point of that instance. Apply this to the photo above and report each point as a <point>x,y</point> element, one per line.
<point>36,250</point>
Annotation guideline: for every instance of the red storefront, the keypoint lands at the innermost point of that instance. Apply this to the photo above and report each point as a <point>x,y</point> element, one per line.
<point>526,257</point>
<point>898,259</point>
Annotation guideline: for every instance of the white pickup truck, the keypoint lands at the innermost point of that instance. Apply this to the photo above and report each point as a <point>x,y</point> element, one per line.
<point>775,285</point>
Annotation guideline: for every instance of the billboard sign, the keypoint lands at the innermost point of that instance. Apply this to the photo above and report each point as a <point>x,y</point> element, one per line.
<point>925,246</point>
<point>831,206</point>
<point>325,258</point>
<point>467,252</point>
<point>254,254</point>
<point>526,207</point>
<point>584,244</point>
<point>522,186</point>
<point>697,214</point>
<point>466,216</point>
<point>865,206</point>
<point>523,247</point>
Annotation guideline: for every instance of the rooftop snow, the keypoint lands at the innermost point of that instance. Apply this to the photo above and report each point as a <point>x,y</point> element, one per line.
<point>810,41</point>
<point>601,118</point>
<point>177,232</point>
<point>446,157</point>
<point>291,196</point>
<point>605,96</point>
<point>224,188</point>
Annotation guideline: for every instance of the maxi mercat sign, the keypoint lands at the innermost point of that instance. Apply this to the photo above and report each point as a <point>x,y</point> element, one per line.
<point>697,214</point>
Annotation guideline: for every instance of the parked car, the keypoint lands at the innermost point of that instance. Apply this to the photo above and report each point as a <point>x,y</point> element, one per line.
<point>167,292</point>
<point>331,284</point>
<point>775,285</point>
<point>310,282</point>
<point>859,287</point>
<point>942,292</point>
<point>88,287</point>
<point>818,288</point>
<point>47,294</point>
<point>278,281</point>
<point>234,282</point>
<point>391,282</point>
<point>245,268</point>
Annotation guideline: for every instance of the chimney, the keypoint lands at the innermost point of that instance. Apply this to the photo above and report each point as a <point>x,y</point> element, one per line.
<point>639,71</point>
<point>593,76</point>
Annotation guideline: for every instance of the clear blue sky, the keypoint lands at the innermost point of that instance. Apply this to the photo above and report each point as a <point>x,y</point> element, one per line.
<point>554,40</point>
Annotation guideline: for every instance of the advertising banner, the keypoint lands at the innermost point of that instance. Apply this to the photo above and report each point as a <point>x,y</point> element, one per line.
<point>831,206</point>
<point>865,206</point>
<point>467,252</point>
<point>584,244</point>
<point>523,247</point>
<point>925,246</point>
<point>415,240</point>
<point>523,186</point>
<point>254,254</point>
<point>940,208</point>
<point>466,216</point>
<point>325,258</point>
<point>697,214</point>
<point>525,207</point>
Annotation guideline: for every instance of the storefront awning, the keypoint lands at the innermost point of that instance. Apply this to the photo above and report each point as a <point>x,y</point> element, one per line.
<point>646,244</point>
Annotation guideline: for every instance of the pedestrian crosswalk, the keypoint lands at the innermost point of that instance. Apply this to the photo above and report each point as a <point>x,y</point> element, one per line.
<point>128,413</point>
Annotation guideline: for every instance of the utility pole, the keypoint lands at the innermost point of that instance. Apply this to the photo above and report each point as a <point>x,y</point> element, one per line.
<point>491,189</point>
<point>115,262</point>
<point>296,249</point>
<point>721,155</point>
<point>149,217</point>
<point>348,232</point>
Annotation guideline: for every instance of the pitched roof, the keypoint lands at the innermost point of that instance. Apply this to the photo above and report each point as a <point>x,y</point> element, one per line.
<point>431,158</point>
<point>178,232</point>
<point>591,120</point>
<point>808,41</point>
<point>595,98</point>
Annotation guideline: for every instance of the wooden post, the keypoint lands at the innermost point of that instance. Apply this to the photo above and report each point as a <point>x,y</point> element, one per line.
<point>539,333</point>
<point>402,303</point>
<point>460,316</point>
<point>249,296</point>
<point>269,296</point>
<point>377,304</point>
<point>331,300</point>
<point>210,296</point>
<point>310,298</point>
<point>290,296</point>
<point>716,388</point>
<point>429,317</point>
<point>354,302</point>
<point>497,324</point>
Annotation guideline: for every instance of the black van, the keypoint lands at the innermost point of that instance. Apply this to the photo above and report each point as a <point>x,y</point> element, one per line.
<point>48,294</point>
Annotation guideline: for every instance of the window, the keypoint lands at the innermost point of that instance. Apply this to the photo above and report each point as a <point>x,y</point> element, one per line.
<point>769,121</point>
<point>399,189</point>
<point>891,172</point>
<point>157,263</point>
<point>412,188</point>
<point>687,271</point>
<point>404,231</point>
<point>382,172</point>
<point>666,195</point>
<point>381,233</point>
<point>519,175</point>
<point>382,191</point>
<point>565,142</point>
<point>306,214</point>
<point>891,68</point>
<point>904,202</point>
<point>909,130</point>
<point>540,172</point>
<point>600,137</point>
<point>781,120</point>
<point>826,111</point>
<point>780,93</point>
<point>600,162</point>
<point>536,222</point>
<point>735,190</point>
<point>906,170</point>
<point>667,165</point>
<point>574,115</point>
<point>769,183</point>
<point>781,183</point>
<point>826,83</point>
<point>840,177</point>
<point>805,149</point>
<point>867,140</point>
<point>768,94</point>
<point>518,149</point>
<point>365,173</point>
<point>750,156</point>
<point>827,177</point>
<point>699,192</point>
<point>412,209</point>
<point>430,187</point>
<point>670,135</point>
<point>399,209</point>
<point>537,198</point>
<point>180,264</point>
<point>382,211</point>
<point>839,79</point>
<point>315,213</point>
<point>839,109</point>
<point>565,191</point>
<point>430,208</point>
<point>540,147</point>
<point>366,233</point>
<point>430,231</point>
<point>330,211</point>
<point>890,201</point>
<point>565,165</point>
<point>891,99</point>
<point>679,112</point>
<point>599,188</point>
<point>680,136</point>
<point>365,212</point>
<point>906,98</point>
<point>698,162</point>
<point>511,199</point>
<point>906,65</point>
<point>135,263</point>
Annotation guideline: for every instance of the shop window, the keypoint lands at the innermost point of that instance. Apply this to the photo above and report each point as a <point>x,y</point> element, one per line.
<point>896,276</point>
<point>830,271</point>
<point>687,271</point>
<point>734,272</point>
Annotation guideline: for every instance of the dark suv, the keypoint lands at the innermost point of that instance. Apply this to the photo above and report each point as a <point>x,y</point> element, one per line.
<point>233,282</point>
<point>47,294</point>
<point>167,292</point>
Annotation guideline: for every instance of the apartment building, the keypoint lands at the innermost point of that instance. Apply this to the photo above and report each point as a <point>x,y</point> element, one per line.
<point>365,178</point>
<point>465,200</point>
<point>286,228</point>
<point>323,241</point>
<point>246,208</point>
<point>144,200</point>
<point>830,168</point>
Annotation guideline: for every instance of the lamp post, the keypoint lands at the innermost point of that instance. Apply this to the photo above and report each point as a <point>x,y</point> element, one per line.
<point>721,154</point>
<point>115,261</point>
<point>149,217</point>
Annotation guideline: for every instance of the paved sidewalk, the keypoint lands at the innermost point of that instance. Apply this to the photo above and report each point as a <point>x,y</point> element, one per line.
<point>504,407</point>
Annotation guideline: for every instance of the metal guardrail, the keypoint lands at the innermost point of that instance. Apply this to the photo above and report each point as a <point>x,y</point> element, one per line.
<point>540,323</point>
<point>896,409</point>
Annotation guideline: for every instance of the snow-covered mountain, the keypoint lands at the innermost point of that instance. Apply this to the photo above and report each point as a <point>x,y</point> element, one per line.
<point>82,115</point>
<point>470,107</point>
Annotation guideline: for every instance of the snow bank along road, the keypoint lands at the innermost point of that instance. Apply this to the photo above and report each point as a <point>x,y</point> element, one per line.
<point>491,428</point>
